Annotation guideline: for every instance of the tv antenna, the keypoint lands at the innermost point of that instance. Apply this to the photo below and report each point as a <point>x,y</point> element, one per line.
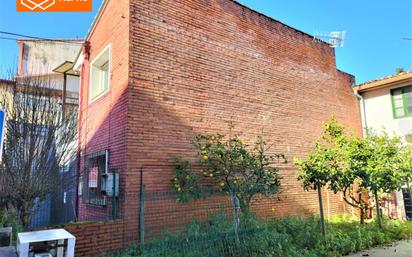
<point>335,38</point>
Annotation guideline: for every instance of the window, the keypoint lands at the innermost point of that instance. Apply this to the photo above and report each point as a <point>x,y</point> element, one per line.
<point>100,74</point>
<point>97,166</point>
<point>402,102</point>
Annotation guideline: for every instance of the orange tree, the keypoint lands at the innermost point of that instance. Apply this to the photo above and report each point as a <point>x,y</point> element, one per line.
<point>378,162</point>
<point>321,166</point>
<point>356,166</point>
<point>338,163</point>
<point>230,166</point>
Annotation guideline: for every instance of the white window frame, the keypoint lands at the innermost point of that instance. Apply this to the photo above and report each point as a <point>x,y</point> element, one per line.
<point>107,48</point>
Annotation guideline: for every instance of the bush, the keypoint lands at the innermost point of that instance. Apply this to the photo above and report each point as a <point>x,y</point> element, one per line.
<point>10,219</point>
<point>303,232</point>
<point>290,236</point>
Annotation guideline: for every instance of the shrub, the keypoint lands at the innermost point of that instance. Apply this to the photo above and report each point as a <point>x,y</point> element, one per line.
<point>289,236</point>
<point>9,218</point>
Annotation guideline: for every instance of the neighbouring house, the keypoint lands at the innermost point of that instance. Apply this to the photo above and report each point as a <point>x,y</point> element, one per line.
<point>51,60</point>
<point>50,63</point>
<point>386,104</point>
<point>156,73</point>
<point>16,97</point>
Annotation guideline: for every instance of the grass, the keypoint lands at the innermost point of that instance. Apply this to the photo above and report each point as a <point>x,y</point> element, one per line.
<point>290,236</point>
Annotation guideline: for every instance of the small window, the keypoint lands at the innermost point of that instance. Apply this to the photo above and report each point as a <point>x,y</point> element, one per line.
<point>96,172</point>
<point>402,102</point>
<point>100,74</point>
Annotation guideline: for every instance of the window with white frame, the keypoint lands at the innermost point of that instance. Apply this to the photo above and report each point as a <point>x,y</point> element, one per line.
<point>100,74</point>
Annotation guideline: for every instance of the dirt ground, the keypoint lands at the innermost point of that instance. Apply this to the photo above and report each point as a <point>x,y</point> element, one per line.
<point>398,249</point>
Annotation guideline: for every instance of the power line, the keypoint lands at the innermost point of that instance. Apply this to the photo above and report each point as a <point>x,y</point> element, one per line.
<point>8,38</point>
<point>21,35</point>
<point>33,37</point>
<point>51,41</point>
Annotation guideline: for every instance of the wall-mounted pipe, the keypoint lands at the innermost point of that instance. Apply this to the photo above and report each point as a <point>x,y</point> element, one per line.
<point>363,111</point>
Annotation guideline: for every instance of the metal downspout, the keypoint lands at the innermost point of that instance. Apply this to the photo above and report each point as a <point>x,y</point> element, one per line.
<point>363,111</point>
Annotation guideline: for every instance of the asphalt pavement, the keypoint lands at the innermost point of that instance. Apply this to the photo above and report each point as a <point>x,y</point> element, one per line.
<point>398,249</point>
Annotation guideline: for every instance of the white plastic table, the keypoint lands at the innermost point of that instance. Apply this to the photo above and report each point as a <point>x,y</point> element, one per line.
<point>59,235</point>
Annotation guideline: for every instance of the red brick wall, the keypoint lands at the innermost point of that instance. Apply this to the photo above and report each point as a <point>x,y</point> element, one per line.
<point>186,67</point>
<point>102,123</point>
<point>197,65</point>
<point>95,239</point>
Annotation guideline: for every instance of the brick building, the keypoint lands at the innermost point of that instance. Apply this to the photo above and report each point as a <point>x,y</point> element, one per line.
<point>156,73</point>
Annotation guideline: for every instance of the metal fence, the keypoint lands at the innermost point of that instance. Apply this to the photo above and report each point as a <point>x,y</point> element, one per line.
<point>73,203</point>
<point>212,227</point>
<point>59,206</point>
<point>161,214</point>
<point>224,244</point>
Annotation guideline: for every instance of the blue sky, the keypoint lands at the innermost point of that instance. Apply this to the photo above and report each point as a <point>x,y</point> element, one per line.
<point>374,44</point>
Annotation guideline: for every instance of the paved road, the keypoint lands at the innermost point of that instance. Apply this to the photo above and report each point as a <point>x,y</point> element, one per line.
<point>398,249</point>
<point>7,252</point>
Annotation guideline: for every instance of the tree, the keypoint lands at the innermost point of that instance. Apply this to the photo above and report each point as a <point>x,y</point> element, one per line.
<point>321,165</point>
<point>40,144</point>
<point>356,166</point>
<point>385,165</point>
<point>407,167</point>
<point>229,166</point>
<point>351,178</point>
<point>375,164</point>
<point>399,71</point>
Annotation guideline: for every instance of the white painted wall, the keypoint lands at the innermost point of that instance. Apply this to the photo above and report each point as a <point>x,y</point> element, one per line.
<point>57,81</point>
<point>379,116</point>
<point>41,57</point>
<point>73,83</point>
